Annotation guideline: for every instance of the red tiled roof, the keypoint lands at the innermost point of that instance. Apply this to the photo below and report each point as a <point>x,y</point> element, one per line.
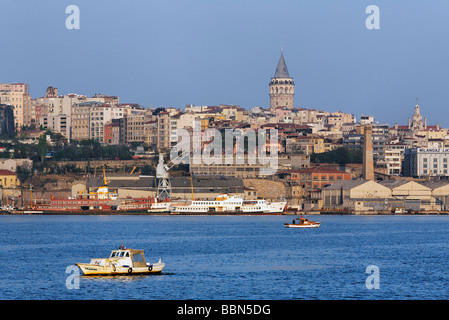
<point>4,172</point>
<point>319,169</point>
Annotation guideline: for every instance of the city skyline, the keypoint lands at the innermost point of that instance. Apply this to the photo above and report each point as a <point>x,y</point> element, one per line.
<point>178,53</point>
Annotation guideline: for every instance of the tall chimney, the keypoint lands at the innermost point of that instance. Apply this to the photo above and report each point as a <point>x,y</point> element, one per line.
<point>368,162</point>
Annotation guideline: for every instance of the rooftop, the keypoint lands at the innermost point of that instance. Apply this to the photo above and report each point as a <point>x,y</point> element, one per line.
<point>281,70</point>
<point>4,172</point>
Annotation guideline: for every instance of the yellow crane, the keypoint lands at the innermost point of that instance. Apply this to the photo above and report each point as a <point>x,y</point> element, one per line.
<point>104,177</point>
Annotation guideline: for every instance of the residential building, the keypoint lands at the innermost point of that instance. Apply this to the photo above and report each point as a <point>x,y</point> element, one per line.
<point>81,120</point>
<point>163,130</point>
<point>101,114</point>
<point>18,96</point>
<point>135,127</point>
<point>57,123</point>
<point>394,156</point>
<point>16,100</point>
<point>304,144</point>
<point>366,120</point>
<point>7,125</point>
<point>112,132</point>
<point>150,133</point>
<point>8,179</point>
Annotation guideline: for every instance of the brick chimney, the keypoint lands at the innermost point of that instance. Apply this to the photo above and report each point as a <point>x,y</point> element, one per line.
<point>368,162</point>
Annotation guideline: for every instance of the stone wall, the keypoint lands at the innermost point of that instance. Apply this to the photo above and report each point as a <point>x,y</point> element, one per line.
<point>268,189</point>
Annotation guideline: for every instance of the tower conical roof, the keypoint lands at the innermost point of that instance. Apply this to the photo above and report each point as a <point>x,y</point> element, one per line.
<point>281,70</point>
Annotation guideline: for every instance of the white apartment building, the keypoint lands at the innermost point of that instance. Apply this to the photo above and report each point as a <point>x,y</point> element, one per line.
<point>99,116</point>
<point>57,123</point>
<point>180,121</point>
<point>394,155</point>
<point>366,120</point>
<point>423,162</point>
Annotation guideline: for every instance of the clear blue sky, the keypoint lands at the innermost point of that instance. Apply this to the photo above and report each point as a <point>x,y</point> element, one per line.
<point>207,52</point>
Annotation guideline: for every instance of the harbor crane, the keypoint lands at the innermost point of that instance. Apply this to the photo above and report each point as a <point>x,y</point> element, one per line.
<point>163,177</point>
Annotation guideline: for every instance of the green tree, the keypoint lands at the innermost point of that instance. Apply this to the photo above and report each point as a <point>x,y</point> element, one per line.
<point>42,147</point>
<point>341,156</point>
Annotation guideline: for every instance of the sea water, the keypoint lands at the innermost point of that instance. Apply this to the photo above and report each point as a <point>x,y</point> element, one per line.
<point>228,257</point>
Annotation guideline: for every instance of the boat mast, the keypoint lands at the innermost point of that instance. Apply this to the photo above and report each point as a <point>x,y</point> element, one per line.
<point>31,195</point>
<point>191,184</point>
<point>155,184</point>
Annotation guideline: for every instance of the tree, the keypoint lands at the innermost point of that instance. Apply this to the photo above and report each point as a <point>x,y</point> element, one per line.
<point>341,156</point>
<point>42,147</point>
<point>23,173</point>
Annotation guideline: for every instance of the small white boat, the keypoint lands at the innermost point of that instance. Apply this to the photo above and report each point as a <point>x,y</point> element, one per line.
<point>302,223</point>
<point>121,262</point>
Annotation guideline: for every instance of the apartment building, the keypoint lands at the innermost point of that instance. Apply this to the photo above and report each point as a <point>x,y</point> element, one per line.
<point>81,120</point>
<point>112,132</point>
<point>7,125</point>
<point>57,123</point>
<point>181,120</point>
<point>16,100</point>
<point>135,131</point>
<point>18,96</point>
<point>394,155</point>
<point>163,130</point>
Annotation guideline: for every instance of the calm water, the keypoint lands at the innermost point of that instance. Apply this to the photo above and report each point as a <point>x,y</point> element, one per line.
<point>229,257</point>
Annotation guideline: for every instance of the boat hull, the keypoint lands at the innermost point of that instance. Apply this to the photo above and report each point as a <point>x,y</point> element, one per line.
<point>97,270</point>
<point>312,225</point>
<point>199,213</point>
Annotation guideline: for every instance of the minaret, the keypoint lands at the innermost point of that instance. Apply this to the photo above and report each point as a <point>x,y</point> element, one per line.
<point>282,87</point>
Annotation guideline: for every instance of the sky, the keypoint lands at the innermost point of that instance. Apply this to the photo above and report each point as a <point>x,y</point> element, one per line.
<point>209,52</point>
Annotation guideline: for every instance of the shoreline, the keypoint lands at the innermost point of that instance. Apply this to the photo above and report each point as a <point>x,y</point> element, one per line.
<point>288,213</point>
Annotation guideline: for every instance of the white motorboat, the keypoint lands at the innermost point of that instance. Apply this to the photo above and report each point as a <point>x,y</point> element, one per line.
<point>302,223</point>
<point>121,262</point>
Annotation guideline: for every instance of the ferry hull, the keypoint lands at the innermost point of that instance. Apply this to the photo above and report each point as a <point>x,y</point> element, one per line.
<point>226,213</point>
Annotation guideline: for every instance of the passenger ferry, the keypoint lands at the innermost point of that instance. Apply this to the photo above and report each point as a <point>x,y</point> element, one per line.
<point>225,204</point>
